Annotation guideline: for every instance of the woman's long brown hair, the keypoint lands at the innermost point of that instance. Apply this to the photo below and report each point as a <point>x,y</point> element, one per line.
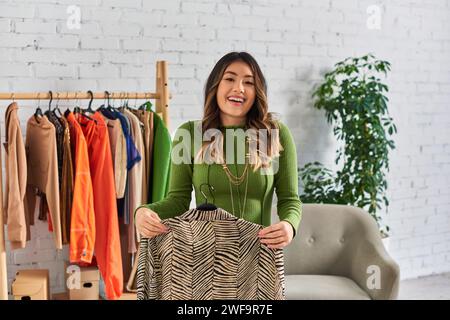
<point>258,116</point>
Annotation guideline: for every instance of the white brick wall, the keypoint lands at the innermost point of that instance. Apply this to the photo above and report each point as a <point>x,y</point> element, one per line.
<point>296,42</point>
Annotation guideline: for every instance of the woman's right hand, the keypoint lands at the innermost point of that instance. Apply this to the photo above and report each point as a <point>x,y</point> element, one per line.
<point>148,223</point>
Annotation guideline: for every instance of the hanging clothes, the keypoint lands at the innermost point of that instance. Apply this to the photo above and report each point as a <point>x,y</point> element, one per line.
<point>119,154</point>
<point>3,263</point>
<point>62,130</point>
<point>146,118</point>
<point>125,202</point>
<point>82,225</point>
<point>59,134</point>
<point>133,155</point>
<point>135,179</point>
<point>15,217</point>
<point>66,184</point>
<point>209,255</point>
<point>159,142</point>
<point>161,159</point>
<point>42,172</point>
<point>107,240</point>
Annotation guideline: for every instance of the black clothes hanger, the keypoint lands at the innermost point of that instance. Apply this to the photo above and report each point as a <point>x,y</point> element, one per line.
<point>66,113</point>
<point>80,111</point>
<point>87,117</point>
<point>81,114</point>
<point>123,102</point>
<point>57,106</point>
<point>126,101</point>
<point>50,102</point>
<point>38,111</point>
<point>77,108</point>
<point>89,108</point>
<point>207,206</point>
<point>105,106</point>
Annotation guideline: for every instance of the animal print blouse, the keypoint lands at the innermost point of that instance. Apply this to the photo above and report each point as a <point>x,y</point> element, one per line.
<point>209,255</point>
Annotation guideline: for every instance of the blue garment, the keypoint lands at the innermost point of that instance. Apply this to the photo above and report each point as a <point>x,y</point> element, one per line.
<point>133,155</point>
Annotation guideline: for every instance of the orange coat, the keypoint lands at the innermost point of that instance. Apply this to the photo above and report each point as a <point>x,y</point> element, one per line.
<point>107,240</point>
<point>82,225</point>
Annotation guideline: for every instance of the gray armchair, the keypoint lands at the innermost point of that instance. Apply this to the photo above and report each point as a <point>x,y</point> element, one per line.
<point>338,254</point>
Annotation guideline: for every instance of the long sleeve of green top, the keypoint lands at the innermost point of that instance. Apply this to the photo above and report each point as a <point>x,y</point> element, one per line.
<point>256,196</point>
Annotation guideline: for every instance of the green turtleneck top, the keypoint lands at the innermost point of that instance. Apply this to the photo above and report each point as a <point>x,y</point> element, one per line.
<point>260,187</point>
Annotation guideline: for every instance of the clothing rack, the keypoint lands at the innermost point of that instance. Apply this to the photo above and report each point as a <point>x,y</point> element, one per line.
<point>161,96</point>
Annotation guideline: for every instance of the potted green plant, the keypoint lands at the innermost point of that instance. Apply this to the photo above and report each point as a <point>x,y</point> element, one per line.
<point>355,103</point>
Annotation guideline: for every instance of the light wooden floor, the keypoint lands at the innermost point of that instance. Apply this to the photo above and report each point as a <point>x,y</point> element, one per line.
<point>435,287</point>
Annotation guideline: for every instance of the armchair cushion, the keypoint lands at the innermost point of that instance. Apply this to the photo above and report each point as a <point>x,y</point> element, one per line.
<point>319,287</point>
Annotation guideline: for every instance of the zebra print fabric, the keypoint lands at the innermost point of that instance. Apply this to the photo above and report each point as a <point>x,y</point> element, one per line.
<point>209,255</point>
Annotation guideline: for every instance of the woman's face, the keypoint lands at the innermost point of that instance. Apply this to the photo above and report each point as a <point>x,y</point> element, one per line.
<point>236,93</point>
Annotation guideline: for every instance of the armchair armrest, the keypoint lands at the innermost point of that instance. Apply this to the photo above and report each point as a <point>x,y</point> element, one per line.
<point>375,271</point>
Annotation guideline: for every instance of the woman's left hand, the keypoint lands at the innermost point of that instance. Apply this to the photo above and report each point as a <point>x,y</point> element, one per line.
<point>278,235</point>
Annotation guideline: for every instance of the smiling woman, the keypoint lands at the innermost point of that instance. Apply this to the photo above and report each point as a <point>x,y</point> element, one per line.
<point>236,94</point>
<point>235,99</point>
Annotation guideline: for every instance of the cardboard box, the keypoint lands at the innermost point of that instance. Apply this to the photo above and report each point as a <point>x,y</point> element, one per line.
<point>128,296</point>
<point>60,296</point>
<point>83,283</point>
<point>31,285</point>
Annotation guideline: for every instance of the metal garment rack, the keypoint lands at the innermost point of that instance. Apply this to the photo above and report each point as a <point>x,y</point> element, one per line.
<point>162,97</point>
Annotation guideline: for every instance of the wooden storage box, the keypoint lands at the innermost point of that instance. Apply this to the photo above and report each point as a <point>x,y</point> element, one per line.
<point>88,277</point>
<point>31,285</point>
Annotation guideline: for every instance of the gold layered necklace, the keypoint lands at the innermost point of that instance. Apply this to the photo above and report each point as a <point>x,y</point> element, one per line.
<point>237,180</point>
